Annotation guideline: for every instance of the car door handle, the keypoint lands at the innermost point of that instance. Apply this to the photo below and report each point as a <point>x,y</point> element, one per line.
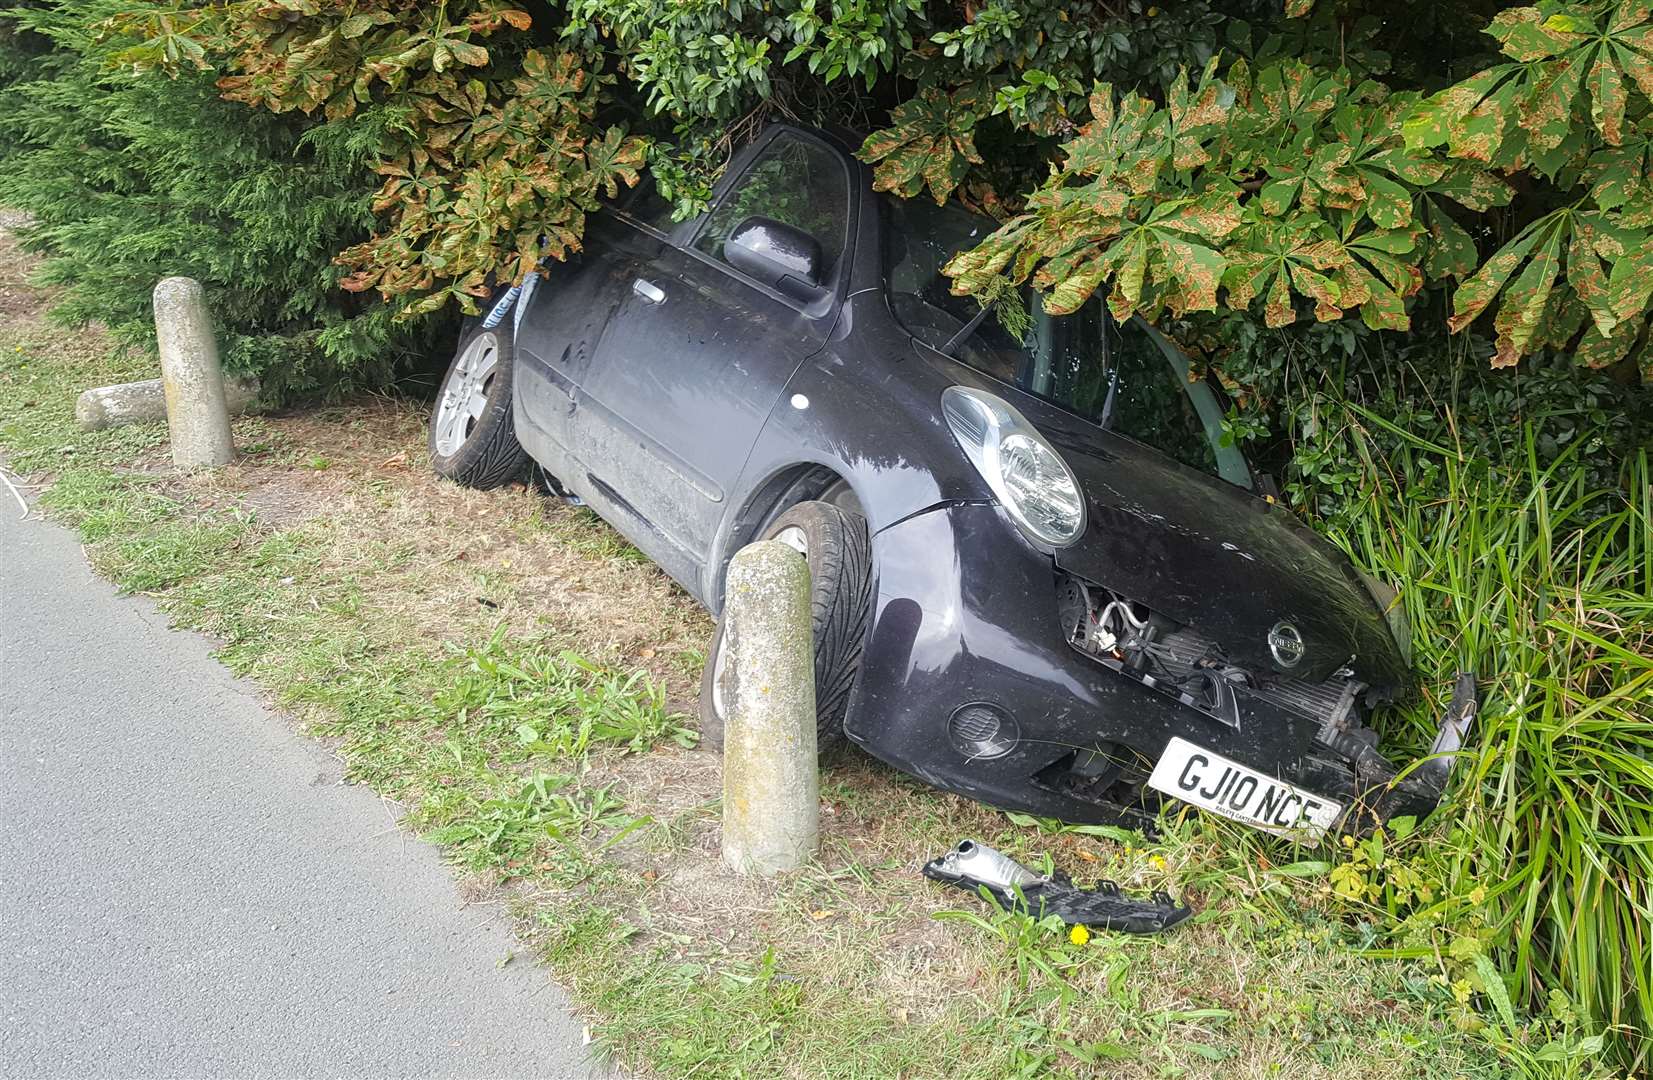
<point>648,291</point>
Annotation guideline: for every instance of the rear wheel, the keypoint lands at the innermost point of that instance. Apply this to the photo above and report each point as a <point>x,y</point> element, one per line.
<point>472,438</point>
<point>835,543</point>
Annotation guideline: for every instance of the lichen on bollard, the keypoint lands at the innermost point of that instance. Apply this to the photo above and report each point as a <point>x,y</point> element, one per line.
<point>771,783</point>
<point>197,415</point>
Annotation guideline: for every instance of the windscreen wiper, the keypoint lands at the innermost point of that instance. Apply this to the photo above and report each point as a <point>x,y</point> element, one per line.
<point>1112,365</point>
<point>964,332</point>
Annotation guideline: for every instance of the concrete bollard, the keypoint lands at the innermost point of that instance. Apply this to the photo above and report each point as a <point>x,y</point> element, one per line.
<point>771,779</point>
<point>145,401</point>
<point>197,416</point>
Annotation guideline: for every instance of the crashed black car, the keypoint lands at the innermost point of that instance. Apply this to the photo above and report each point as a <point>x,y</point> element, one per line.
<point>1042,577</point>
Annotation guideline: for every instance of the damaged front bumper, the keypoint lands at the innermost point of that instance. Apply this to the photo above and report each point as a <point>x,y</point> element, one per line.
<point>970,683</point>
<point>1389,793</point>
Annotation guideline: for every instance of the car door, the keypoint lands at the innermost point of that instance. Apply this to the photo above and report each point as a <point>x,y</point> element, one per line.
<point>697,353</point>
<point>562,320</point>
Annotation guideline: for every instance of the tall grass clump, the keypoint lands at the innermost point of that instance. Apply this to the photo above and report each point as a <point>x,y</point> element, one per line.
<point>1524,573</point>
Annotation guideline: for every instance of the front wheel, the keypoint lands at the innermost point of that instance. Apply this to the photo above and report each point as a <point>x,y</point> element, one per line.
<point>472,438</point>
<point>839,551</point>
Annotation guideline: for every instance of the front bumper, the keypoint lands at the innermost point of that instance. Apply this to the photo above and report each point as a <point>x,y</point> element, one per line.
<point>965,613</point>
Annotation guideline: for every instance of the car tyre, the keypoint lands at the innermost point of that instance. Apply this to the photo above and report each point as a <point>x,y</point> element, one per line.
<point>839,551</point>
<point>473,440</point>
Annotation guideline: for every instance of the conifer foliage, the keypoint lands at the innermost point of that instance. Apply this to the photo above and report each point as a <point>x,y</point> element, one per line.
<point>133,176</point>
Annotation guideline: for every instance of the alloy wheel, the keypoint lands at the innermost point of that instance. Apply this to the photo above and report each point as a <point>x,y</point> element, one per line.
<point>465,394</point>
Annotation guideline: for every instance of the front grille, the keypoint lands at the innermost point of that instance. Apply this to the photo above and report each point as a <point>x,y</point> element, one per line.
<point>1323,701</point>
<point>1182,663</point>
<point>1319,700</point>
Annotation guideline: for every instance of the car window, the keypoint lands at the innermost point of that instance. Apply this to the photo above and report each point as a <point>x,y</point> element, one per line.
<point>1070,360</point>
<point>646,205</point>
<point>795,181</point>
<point>1155,403</point>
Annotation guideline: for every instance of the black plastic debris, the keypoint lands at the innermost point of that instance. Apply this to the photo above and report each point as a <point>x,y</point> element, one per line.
<point>973,865</point>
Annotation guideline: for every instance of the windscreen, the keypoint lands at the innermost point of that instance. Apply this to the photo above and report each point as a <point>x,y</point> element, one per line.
<point>1128,378</point>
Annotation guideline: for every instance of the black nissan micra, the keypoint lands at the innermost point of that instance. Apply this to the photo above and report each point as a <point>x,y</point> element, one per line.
<point>1043,579</point>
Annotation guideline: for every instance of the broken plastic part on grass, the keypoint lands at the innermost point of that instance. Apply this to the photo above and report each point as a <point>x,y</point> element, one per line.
<point>973,865</point>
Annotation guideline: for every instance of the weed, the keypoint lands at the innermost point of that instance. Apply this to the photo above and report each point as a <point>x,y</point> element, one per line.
<point>559,705</point>
<point>506,832</point>
<point>1545,588</point>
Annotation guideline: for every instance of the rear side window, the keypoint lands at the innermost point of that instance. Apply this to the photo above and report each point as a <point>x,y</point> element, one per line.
<point>795,181</point>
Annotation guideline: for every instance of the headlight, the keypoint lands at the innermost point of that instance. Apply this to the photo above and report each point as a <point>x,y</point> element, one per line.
<point>1025,472</point>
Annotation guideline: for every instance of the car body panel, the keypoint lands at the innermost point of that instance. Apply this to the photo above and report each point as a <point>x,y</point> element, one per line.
<point>1213,555</point>
<point>680,387</point>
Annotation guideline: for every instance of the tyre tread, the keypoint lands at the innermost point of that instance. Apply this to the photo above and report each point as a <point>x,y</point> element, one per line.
<point>842,554</point>
<point>492,457</point>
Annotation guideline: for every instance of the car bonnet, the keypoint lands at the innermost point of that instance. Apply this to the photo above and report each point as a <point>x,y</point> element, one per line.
<point>1219,559</point>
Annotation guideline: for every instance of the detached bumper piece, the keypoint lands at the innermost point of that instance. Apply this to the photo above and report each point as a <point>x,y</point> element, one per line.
<point>973,865</point>
<point>1384,793</point>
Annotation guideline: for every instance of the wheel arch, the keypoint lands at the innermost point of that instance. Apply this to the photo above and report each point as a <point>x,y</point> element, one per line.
<point>783,488</point>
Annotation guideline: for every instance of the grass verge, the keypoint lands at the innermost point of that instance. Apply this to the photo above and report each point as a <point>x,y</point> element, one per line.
<point>517,678</point>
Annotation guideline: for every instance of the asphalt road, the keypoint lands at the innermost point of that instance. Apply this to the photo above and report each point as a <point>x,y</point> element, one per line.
<point>186,889</point>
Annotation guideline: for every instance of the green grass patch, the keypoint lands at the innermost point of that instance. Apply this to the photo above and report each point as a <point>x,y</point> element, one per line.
<point>1544,864</point>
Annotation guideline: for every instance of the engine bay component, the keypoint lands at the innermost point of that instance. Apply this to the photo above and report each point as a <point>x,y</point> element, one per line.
<point>1151,649</point>
<point>1180,662</point>
<point>973,865</point>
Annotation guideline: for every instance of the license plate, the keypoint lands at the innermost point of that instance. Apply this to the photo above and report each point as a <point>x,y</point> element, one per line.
<point>1212,782</point>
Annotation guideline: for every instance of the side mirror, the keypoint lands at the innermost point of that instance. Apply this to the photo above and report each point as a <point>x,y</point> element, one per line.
<point>785,258</point>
